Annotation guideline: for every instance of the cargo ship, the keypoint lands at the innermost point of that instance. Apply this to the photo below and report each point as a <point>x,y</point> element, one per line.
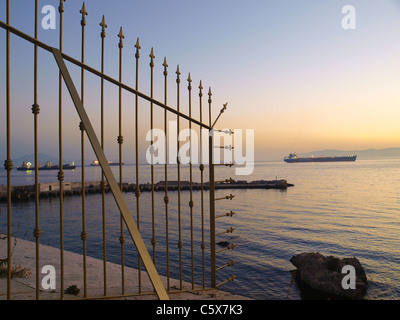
<point>26,166</point>
<point>50,166</point>
<point>293,158</point>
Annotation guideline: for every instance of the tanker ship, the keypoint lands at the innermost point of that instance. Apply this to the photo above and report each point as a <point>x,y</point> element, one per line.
<point>293,158</point>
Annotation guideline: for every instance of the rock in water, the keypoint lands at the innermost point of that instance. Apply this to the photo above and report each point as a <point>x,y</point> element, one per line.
<point>324,274</point>
<point>223,243</point>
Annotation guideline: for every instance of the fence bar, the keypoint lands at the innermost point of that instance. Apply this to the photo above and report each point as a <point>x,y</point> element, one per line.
<point>203,246</point>
<point>229,264</point>
<point>60,174</point>
<point>212,199</point>
<point>227,131</point>
<point>153,239</point>
<point>191,178</point>
<point>230,230</point>
<point>120,140</point>
<point>225,147</point>
<point>35,111</point>
<point>228,280</point>
<point>166,199</point>
<point>230,197</point>
<point>98,73</point>
<point>220,113</point>
<point>227,248</point>
<point>232,246</point>
<point>179,182</point>
<point>209,107</point>
<point>137,191</point>
<point>8,164</point>
<point>228,214</point>
<point>82,128</point>
<point>122,205</point>
<point>85,127</point>
<point>103,184</point>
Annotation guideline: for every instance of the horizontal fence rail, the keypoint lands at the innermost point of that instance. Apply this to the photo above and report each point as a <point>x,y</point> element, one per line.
<point>181,258</point>
<point>101,75</point>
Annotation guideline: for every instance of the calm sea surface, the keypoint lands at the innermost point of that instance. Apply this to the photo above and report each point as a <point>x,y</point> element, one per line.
<point>342,209</point>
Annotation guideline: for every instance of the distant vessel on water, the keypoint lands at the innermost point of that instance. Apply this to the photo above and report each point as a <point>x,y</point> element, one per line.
<point>26,166</point>
<point>293,158</point>
<point>96,163</point>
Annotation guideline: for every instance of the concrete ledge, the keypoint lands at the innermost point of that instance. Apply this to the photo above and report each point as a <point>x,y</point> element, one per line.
<point>24,288</point>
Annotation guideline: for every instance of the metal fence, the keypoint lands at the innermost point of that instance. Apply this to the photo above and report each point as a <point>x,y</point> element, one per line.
<point>108,180</point>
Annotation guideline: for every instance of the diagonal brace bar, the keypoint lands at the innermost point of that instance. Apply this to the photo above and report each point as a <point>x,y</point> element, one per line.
<point>119,199</point>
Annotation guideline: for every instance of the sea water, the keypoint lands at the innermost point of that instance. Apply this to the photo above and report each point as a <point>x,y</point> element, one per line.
<point>344,209</point>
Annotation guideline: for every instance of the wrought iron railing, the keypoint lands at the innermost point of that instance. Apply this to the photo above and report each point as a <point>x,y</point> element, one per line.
<point>108,179</point>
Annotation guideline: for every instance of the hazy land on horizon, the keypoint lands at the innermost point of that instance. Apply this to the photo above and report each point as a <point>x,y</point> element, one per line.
<point>367,154</point>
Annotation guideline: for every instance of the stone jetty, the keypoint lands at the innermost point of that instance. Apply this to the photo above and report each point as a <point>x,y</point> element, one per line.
<point>46,190</point>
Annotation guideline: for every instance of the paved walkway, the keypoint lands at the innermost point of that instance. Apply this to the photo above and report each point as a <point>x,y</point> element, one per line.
<point>23,288</point>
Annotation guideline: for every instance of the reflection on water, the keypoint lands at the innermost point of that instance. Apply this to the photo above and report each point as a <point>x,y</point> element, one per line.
<point>343,209</point>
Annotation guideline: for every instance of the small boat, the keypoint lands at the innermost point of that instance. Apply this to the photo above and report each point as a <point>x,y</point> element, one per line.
<point>110,163</point>
<point>293,158</point>
<point>96,163</point>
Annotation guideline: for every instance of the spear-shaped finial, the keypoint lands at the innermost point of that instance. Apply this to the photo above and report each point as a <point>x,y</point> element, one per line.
<point>230,197</point>
<point>201,89</point>
<point>165,66</point>
<point>221,112</point>
<point>224,107</point>
<point>84,13</point>
<point>152,56</point>
<point>178,73</point>
<point>138,47</point>
<point>120,36</point>
<point>209,105</point>
<point>190,82</point>
<point>61,6</point>
<point>103,27</point>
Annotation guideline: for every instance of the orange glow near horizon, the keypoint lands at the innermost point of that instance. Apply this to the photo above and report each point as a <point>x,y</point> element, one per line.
<point>298,79</point>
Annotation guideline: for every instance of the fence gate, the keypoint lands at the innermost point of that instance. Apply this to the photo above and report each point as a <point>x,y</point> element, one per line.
<point>109,182</point>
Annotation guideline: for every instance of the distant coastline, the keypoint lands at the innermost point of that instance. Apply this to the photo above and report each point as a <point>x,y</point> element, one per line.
<point>366,154</point>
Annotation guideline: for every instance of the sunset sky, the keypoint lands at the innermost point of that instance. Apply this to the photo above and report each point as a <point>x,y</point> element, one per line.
<point>287,69</point>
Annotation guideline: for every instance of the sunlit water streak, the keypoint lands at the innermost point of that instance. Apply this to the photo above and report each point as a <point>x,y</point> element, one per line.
<point>342,209</point>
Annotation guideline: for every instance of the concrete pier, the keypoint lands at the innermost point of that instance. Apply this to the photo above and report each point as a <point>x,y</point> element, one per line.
<point>20,193</point>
